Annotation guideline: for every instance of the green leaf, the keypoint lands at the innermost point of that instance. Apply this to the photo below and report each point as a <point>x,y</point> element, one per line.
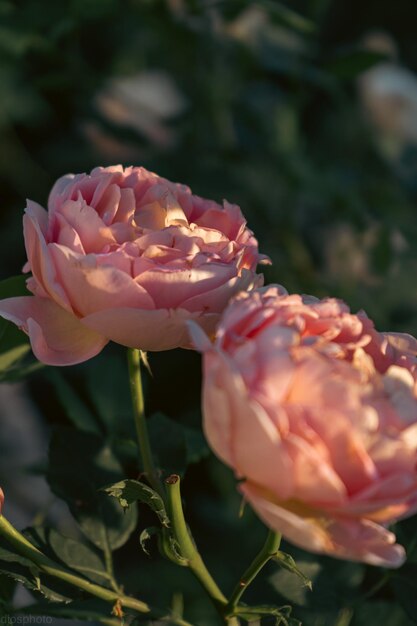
<point>287,562</point>
<point>75,409</point>
<point>23,571</point>
<point>282,614</point>
<point>107,381</point>
<point>196,444</point>
<point>86,610</point>
<point>145,535</point>
<point>168,443</point>
<point>80,464</point>
<point>73,554</point>
<point>289,586</point>
<point>129,491</point>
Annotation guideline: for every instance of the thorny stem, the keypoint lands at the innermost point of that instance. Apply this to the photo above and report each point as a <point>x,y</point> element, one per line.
<point>268,550</point>
<point>134,359</point>
<point>186,545</point>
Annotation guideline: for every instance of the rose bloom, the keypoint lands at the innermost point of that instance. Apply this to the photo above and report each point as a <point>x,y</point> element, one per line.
<point>317,412</point>
<point>127,256</point>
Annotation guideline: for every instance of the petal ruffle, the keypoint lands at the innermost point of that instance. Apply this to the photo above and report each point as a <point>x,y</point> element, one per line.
<point>356,540</point>
<point>91,287</point>
<point>56,336</point>
<point>39,259</point>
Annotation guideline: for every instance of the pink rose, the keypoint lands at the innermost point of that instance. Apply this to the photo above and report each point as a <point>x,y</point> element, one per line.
<point>317,412</point>
<point>127,256</point>
<point>1,500</point>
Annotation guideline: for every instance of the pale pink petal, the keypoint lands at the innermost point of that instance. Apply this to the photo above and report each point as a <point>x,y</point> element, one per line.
<point>315,480</point>
<point>155,330</point>
<point>306,532</point>
<point>384,501</point>
<point>254,443</point>
<point>218,426</point>
<point>356,540</point>
<point>215,300</point>
<point>67,236</point>
<point>91,288</point>
<point>56,336</point>
<point>402,342</point>
<point>39,257</point>
<point>85,220</point>
<point>347,449</point>
<point>198,337</point>
<point>109,204</point>
<point>59,191</point>
<point>171,289</point>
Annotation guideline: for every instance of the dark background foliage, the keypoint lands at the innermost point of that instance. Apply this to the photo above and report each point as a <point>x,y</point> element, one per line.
<point>305,114</point>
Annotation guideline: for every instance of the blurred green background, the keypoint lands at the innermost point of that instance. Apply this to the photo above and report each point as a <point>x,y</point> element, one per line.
<point>305,114</point>
<point>240,99</point>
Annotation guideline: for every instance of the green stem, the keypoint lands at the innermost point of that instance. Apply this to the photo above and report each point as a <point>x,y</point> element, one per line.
<point>269,549</point>
<point>134,359</point>
<point>186,545</point>
<point>47,565</point>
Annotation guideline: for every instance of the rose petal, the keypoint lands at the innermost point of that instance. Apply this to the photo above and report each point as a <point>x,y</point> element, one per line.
<point>155,330</point>
<point>216,299</point>
<point>253,441</point>
<point>356,540</point>
<point>171,288</point>
<point>56,336</point>
<point>91,288</point>
<point>39,257</point>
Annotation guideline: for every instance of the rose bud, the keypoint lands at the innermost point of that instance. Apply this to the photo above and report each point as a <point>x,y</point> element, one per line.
<point>316,412</point>
<point>127,256</point>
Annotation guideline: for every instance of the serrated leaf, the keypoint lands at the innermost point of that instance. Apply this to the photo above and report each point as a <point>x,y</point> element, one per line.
<point>129,491</point>
<point>73,554</point>
<point>289,586</point>
<point>287,562</point>
<point>23,571</point>
<point>48,588</point>
<point>80,464</point>
<point>144,537</point>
